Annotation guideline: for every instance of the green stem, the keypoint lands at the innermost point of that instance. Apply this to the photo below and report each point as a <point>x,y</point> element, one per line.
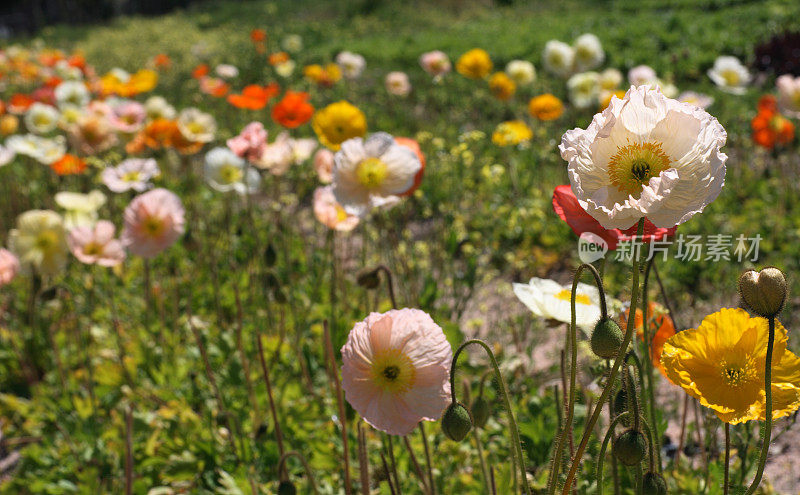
<point>766,429</point>
<point>484,471</point>
<point>727,456</point>
<point>309,474</point>
<point>576,460</point>
<point>603,447</point>
<point>648,341</point>
<point>427,456</point>
<point>501,385</point>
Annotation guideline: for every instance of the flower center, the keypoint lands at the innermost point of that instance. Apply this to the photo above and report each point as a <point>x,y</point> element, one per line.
<point>153,226</point>
<point>634,165</point>
<point>738,374</point>
<point>392,371</point>
<point>196,127</point>
<point>778,123</point>
<point>796,98</point>
<point>371,172</point>
<point>93,249</point>
<point>731,77</point>
<point>46,240</point>
<point>131,176</point>
<point>230,174</point>
<point>566,295</point>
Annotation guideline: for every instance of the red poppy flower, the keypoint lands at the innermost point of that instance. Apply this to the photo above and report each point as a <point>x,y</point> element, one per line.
<point>254,97</point>
<point>162,60</point>
<point>413,145</point>
<point>19,103</point>
<point>200,71</point>
<point>293,110</point>
<point>567,207</point>
<point>769,126</point>
<point>661,328</point>
<point>258,35</point>
<point>69,165</point>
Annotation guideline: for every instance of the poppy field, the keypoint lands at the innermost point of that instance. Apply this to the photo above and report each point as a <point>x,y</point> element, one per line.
<point>380,247</point>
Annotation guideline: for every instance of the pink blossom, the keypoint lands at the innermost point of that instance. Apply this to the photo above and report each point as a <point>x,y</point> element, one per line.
<point>323,164</point>
<point>435,63</point>
<point>131,174</point>
<point>128,117</point>
<point>153,222</point>
<point>395,370</point>
<point>96,245</point>
<point>330,213</point>
<point>251,143</point>
<point>9,266</point>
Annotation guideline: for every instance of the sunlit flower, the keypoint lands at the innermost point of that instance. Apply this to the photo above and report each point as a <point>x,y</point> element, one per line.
<point>225,171</point>
<point>40,241</point>
<point>545,107</point>
<point>397,83</point>
<point>158,108</point>
<point>292,43</point>
<point>646,156</point>
<point>337,123</point>
<point>371,172</point>
<point>250,143</point>
<point>721,363</point>
<point>96,245</point>
<point>69,165</point>
<point>92,133</point>
<point>789,94</point>
<point>285,69</point>
<point>226,71</point>
<point>730,75</point>
<point>324,76</point>
<point>435,63</point>
<point>330,213</point>
<point>254,97</point>
<point>474,64</point>
<point>607,96</point>
<point>352,64</point>
<point>395,370</point>
<point>80,209</point>
<point>502,86</point>
<point>521,72</point>
<point>41,118</point>
<point>610,79</point>
<point>43,150</point>
<point>323,165</point>
<point>584,90</point>
<point>770,128</point>
<point>699,100</point>
<point>511,133</point>
<point>72,92</point>
<point>588,52</point>
<point>153,222</point>
<point>661,328</point>
<point>550,300</point>
<point>293,110</point>
<point>131,174</point>
<point>558,58</point>
<point>9,267</point>
<point>197,126</point>
<point>9,124</point>
<point>128,117</point>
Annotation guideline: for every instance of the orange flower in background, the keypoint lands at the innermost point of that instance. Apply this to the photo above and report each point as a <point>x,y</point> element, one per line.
<point>293,110</point>
<point>254,97</point>
<point>258,35</point>
<point>661,329</point>
<point>162,133</point>
<point>278,58</point>
<point>770,128</point>
<point>502,86</point>
<point>77,60</point>
<point>214,86</point>
<point>52,82</point>
<point>545,107</point>
<point>162,61</point>
<point>200,71</point>
<point>69,165</point>
<point>19,103</point>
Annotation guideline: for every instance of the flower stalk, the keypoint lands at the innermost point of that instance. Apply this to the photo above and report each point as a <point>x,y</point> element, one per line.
<point>766,426</point>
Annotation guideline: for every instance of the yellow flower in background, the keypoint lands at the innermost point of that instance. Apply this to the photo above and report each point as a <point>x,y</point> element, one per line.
<point>511,133</point>
<point>9,124</point>
<point>120,83</point>
<point>40,241</point>
<point>502,86</point>
<point>339,122</point>
<point>546,107</point>
<point>606,97</point>
<point>475,64</point>
<point>721,363</point>
<point>324,76</point>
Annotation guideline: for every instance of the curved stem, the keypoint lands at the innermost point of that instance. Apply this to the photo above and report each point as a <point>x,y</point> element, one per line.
<point>309,474</point>
<point>576,460</point>
<point>766,428</point>
<point>603,447</point>
<point>501,385</point>
<point>389,283</point>
<point>566,430</point>
<point>648,340</point>
<point>484,470</point>
<point>727,456</point>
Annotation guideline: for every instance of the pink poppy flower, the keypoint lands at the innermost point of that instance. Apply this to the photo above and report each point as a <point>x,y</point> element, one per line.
<point>96,245</point>
<point>128,117</point>
<point>395,370</point>
<point>9,266</point>
<point>251,143</point>
<point>435,63</point>
<point>133,173</point>
<point>330,213</point>
<point>323,164</point>
<point>568,208</point>
<point>153,222</point>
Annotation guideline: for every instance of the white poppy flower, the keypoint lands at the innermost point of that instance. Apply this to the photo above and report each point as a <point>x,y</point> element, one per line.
<point>789,94</point>
<point>80,209</point>
<point>226,71</point>
<point>285,69</point>
<point>588,52</point>
<point>197,126</point>
<point>371,172</point>
<point>72,93</point>
<point>697,99</point>
<point>646,156</point>
<point>157,107</point>
<point>521,72</point>
<point>642,74</point>
<point>549,299</point>
<point>584,90</point>
<point>41,118</point>
<point>225,171</point>
<point>558,58</point>
<point>6,155</point>
<point>730,75</point>
<point>352,64</point>
<point>610,79</point>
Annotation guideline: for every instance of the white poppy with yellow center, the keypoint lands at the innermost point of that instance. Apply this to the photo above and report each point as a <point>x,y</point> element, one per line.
<point>41,118</point>
<point>646,156</point>
<point>197,126</point>
<point>225,171</point>
<point>551,300</point>
<point>730,75</point>
<point>372,172</point>
<point>40,241</point>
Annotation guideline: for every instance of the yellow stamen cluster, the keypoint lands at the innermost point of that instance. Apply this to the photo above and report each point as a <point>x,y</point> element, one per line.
<point>633,165</point>
<point>392,371</point>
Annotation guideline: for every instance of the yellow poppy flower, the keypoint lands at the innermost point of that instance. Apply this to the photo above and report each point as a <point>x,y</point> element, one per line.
<point>502,86</point>
<point>511,133</point>
<point>721,363</point>
<point>337,123</point>
<point>474,64</point>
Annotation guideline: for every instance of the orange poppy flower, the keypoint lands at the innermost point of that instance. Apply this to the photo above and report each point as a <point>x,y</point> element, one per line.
<point>77,60</point>
<point>413,145</point>
<point>254,97</point>
<point>214,86</point>
<point>19,103</point>
<point>293,110</point>
<point>258,35</point>
<point>661,329</point>
<point>769,126</point>
<point>69,165</point>
<point>278,58</point>
<point>200,71</point>
<point>162,61</point>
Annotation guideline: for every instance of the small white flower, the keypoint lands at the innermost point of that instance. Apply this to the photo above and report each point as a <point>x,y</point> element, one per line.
<point>225,171</point>
<point>521,72</point>
<point>285,69</point>
<point>80,209</point>
<point>697,99</point>
<point>667,88</point>
<point>610,79</point>
<point>131,174</point>
<point>789,94</point>
<point>121,75</point>
<point>549,299</point>
<point>584,90</point>
<point>158,108</point>
<point>292,43</point>
<point>41,118</point>
<point>43,150</point>
<point>72,93</point>
<point>352,64</point>
<point>226,71</point>
<point>397,83</point>
<point>70,116</point>
<point>558,58</point>
<point>642,74</point>
<point>197,126</point>
<point>302,149</point>
<point>588,52</point>
<point>66,72</point>
<point>730,75</point>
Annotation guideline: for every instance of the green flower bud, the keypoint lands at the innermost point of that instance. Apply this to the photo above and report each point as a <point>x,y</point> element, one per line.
<point>764,291</point>
<point>606,338</point>
<point>369,280</point>
<point>456,422</point>
<point>629,448</point>
<point>654,484</point>
<point>480,412</point>
<point>287,488</point>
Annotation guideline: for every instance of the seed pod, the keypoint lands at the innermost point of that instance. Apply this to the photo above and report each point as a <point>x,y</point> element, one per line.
<point>480,412</point>
<point>629,448</point>
<point>654,484</point>
<point>456,422</point>
<point>287,488</point>
<point>369,280</point>
<point>606,338</point>
<point>764,291</point>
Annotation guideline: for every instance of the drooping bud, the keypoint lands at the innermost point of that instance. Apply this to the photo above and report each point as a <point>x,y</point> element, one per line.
<point>764,291</point>
<point>456,422</point>
<point>629,448</point>
<point>287,488</point>
<point>606,338</point>
<point>369,279</point>
<point>480,412</point>
<point>654,484</point>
